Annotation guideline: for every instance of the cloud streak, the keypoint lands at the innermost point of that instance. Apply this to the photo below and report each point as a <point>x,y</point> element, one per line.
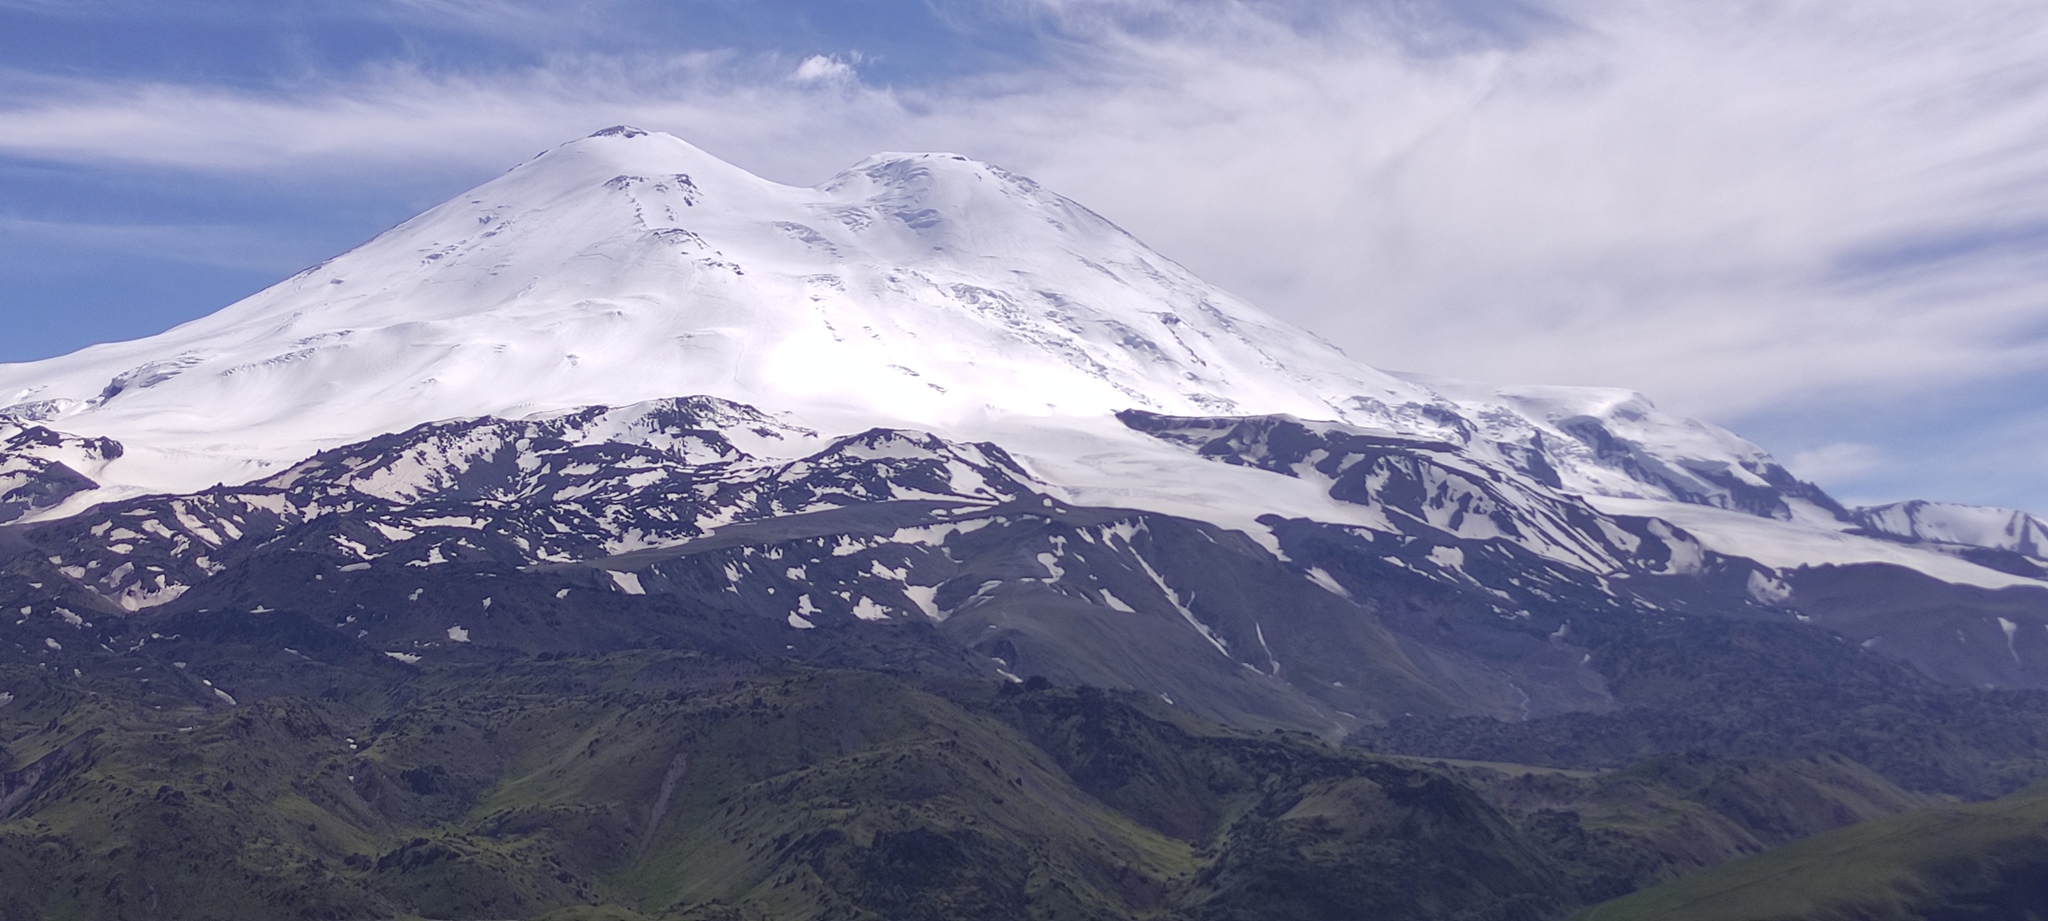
<point>227,246</point>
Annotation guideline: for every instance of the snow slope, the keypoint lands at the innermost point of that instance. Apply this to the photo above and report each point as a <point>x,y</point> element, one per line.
<point>1967,525</point>
<point>1791,544</point>
<point>917,289</point>
<point>920,291</point>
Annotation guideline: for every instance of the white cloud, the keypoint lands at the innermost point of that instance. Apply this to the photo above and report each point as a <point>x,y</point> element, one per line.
<point>820,68</point>
<point>1665,198</point>
<point>1836,462</point>
<point>1728,206</point>
<point>397,119</point>
<point>219,245</point>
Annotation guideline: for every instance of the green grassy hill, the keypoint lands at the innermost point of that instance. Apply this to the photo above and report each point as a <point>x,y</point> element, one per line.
<point>672,784</point>
<point>664,783</point>
<point>1973,861</point>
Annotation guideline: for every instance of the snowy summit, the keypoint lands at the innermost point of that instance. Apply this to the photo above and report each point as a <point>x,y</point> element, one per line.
<point>919,291</point>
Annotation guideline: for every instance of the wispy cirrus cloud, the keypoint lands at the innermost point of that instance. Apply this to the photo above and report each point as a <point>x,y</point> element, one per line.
<point>227,246</point>
<point>1836,460</point>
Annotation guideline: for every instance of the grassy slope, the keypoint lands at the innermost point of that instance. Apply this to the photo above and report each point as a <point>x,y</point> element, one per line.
<point>687,785</point>
<point>1673,815</point>
<point>1739,689</point>
<point>516,789</point>
<point>1980,860</point>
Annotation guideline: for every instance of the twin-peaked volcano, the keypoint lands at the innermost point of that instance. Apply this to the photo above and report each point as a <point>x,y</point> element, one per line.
<point>923,290</point>
<point>928,295</point>
<point>628,266</point>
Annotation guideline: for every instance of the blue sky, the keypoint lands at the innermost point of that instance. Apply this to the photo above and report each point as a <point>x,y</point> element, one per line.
<point>92,250</point>
<point>1821,224</point>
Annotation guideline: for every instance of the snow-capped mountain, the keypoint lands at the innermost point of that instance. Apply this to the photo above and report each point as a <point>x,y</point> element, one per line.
<point>1961,525</point>
<point>921,290</point>
<point>930,391</point>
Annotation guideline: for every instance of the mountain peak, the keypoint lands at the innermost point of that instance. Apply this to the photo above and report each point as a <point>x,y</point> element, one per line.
<point>591,160</point>
<point>915,290</point>
<point>944,179</point>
